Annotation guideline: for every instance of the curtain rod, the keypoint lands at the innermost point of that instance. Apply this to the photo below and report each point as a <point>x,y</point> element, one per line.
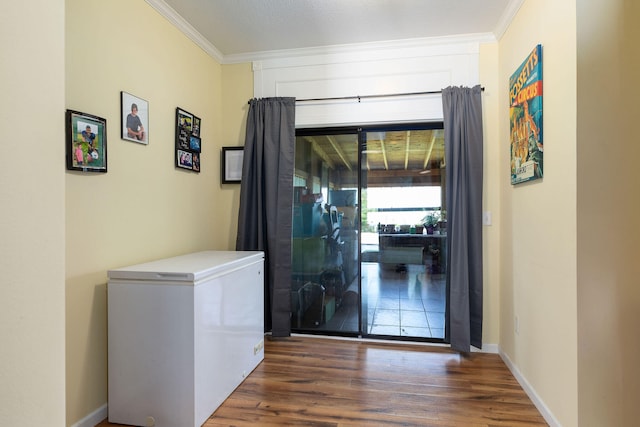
<point>361,97</point>
<point>387,95</point>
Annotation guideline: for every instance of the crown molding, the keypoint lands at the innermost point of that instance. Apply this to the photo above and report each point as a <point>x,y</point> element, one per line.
<point>181,24</point>
<point>507,17</point>
<point>360,48</point>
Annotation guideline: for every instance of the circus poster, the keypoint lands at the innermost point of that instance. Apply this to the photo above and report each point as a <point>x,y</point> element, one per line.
<point>525,118</point>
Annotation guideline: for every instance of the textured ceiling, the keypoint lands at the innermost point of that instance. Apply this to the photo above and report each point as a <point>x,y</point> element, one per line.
<point>237,27</point>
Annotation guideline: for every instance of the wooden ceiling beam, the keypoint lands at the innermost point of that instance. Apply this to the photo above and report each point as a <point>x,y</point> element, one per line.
<point>407,148</point>
<point>321,153</point>
<point>427,156</point>
<point>402,173</point>
<point>384,151</point>
<point>339,151</point>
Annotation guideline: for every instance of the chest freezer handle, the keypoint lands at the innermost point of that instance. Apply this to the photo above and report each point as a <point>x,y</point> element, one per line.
<point>174,276</point>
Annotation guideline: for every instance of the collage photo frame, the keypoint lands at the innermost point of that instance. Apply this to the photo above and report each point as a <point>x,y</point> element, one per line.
<point>188,142</point>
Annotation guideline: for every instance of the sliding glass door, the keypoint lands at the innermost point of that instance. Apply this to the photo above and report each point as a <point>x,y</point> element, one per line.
<point>369,233</point>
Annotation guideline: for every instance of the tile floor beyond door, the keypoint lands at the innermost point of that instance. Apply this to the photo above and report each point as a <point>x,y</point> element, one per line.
<point>402,301</point>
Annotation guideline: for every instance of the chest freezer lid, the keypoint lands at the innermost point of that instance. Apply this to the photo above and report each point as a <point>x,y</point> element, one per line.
<point>187,268</point>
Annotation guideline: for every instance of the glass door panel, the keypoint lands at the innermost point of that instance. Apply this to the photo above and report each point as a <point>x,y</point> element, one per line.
<point>325,236</point>
<point>403,233</point>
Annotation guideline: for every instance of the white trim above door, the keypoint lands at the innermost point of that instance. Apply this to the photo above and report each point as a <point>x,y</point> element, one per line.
<point>398,68</point>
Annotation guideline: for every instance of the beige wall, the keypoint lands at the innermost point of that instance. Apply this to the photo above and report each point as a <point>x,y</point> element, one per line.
<point>538,219</point>
<point>143,208</point>
<point>32,214</point>
<point>237,90</point>
<point>608,210</point>
<point>491,196</point>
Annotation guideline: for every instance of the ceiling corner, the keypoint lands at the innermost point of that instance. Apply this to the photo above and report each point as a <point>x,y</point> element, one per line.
<point>507,16</point>
<point>187,29</point>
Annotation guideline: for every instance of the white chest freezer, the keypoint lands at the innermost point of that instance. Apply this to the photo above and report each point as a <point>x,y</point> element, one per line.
<point>183,334</point>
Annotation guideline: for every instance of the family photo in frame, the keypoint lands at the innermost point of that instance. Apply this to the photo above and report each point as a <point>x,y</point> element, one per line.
<point>135,118</point>
<point>86,148</point>
<point>188,142</point>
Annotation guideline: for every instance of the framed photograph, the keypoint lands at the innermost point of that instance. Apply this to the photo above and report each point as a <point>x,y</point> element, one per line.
<point>185,159</point>
<point>194,144</point>
<point>134,113</point>
<point>188,141</point>
<point>86,142</point>
<point>232,158</point>
<point>195,131</point>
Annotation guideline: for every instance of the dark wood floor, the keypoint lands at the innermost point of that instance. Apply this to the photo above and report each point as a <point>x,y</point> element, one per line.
<point>308,381</point>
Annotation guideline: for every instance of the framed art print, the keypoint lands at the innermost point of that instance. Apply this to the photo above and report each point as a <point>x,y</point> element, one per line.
<point>86,142</point>
<point>134,113</point>
<point>188,142</point>
<point>525,119</point>
<point>232,158</point>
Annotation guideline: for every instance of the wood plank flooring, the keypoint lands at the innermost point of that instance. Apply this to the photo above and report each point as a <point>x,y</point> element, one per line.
<point>310,381</point>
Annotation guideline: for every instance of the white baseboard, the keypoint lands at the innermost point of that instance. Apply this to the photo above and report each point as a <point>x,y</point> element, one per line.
<point>537,401</point>
<point>94,418</point>
<point>487,348</point>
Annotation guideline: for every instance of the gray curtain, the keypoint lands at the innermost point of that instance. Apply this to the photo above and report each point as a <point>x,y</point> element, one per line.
<point>264,220</point>
<point>463,151</point>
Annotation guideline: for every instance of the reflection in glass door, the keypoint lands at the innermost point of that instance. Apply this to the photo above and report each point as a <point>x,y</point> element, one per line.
<point>325,236</point>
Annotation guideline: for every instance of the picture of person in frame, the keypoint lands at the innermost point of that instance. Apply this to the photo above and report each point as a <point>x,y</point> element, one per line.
<point>195,131</point>
<point>88,136</point>
<point>134,124</point>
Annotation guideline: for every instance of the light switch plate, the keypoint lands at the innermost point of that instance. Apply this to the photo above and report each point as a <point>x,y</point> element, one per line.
<point>486,218</point>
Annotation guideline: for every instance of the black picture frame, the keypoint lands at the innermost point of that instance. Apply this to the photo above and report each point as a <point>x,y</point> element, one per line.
<point>188,141</point>
<point>231,159</point>
<point>86,142</point>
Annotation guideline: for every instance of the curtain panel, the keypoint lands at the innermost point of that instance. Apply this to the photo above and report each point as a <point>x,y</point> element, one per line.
<point>463,152</point>
<point>266,195</point>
